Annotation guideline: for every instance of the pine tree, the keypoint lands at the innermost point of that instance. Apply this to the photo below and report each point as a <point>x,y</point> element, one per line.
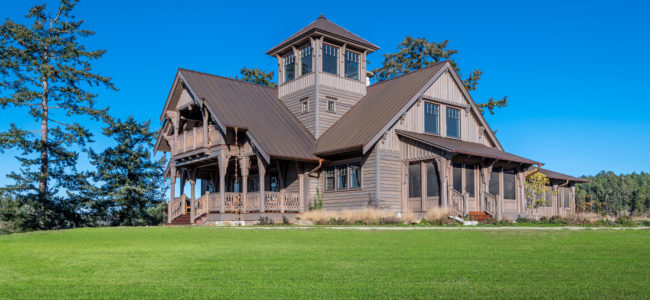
<point>130,189</point>
<point>417,53</point>
<point>258,76</point>
<point>47,71</point>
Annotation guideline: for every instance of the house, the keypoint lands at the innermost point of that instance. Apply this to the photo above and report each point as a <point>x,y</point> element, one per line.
<point>408,144</point>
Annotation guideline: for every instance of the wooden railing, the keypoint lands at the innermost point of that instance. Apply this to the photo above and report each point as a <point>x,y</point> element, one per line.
<point>252,202</point>
<point>193,139</point>
<point>234,203</point>
<point>296,85</point>
<point>491,204</point>
<point>291,203</point>
<point>177,207</point>
<point>342,83</point>
<point>456,203</point>
<point>272,201</point>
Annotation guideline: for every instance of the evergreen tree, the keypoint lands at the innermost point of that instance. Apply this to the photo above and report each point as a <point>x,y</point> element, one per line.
<point>417,53</point>
<point>47,71</point>
<point>130,189</point>
<point>258,76</point>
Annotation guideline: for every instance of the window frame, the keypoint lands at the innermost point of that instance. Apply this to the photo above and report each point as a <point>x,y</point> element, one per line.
<point>336,65</point>
<point>345,60</point>
<point>437,117</point>
<point>447,109</point>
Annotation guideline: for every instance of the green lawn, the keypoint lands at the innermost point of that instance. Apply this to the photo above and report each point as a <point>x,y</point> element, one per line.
<point>192,263</point>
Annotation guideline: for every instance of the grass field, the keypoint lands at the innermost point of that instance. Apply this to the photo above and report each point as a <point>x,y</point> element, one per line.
<point>192,263</point>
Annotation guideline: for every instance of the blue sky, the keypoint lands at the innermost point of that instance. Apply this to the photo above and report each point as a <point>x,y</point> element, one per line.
<point>575,72</point>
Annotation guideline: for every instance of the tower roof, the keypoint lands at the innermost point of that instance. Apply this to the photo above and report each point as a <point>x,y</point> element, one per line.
<point>324,26</point>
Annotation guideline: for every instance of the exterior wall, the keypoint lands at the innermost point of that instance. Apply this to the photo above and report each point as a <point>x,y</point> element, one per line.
<point>390,180</point>
<point>444,92</point>
<point>294,104</point>
<point>343,102</point>
<point>352,199</point>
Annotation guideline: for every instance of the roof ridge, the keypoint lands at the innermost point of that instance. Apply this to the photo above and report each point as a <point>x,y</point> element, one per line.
<point>228,78</point>
<point>418,70</point>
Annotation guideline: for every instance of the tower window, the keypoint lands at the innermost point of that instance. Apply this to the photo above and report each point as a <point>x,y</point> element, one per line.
<point>305,60</point>
<point>331,105</point>
<point>330,59</point>
<point>351,65</point>
<point>289,67</point>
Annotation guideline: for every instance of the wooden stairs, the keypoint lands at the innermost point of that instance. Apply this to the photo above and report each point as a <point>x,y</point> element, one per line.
<point>180,221</point>
<point>479,216</point>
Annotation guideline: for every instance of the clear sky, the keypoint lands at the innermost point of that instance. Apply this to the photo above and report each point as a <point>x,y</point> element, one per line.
<point>575,72</point>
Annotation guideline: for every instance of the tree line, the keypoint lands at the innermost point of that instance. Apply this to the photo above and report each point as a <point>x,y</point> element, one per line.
<point>613,194</point>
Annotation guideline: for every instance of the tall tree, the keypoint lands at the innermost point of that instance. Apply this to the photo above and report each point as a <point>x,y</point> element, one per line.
<point>258,76</point>
<point>131,190</point>
<point>46,70</point>
<point>417,53</point>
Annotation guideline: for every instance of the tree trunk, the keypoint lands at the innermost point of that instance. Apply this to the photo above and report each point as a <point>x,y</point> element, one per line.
<point>42,186</point>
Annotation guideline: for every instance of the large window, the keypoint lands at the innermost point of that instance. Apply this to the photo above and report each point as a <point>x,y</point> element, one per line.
<point>355,176</point>
<point>433,185</point>
<point>494,182</point>
<point>509,189</point>
<point>453,122</point>
<point>351,65</point>
<point>305,60</point>
<point>431,118</point>
<point>567,193</point>
<point>329,179</point>
<point>549,198</point>
<point>415,182</point>
<point>469,180</point>
<point>342,177</point>
<point>458,177</point>
<point>330,59</point>
<point>289,67</point>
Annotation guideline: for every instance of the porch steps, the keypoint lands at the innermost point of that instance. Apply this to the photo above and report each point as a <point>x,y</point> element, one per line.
<point>180,220</point>
<point>479,216</point>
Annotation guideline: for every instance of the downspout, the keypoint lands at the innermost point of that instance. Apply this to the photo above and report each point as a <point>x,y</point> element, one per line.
<point>320,164</point>
<point>539,167</point>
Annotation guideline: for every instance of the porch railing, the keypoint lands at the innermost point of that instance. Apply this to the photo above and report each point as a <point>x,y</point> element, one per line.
<point>456,202</point>
<point>491,204</point>
<point>234,203</point>
<point>178,207</point>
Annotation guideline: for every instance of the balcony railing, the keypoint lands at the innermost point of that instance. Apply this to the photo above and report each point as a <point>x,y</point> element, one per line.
<point>193,139</point>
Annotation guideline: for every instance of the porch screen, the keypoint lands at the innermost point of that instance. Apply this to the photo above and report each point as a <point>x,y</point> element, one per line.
<point>433,185</point>
<point>415,183</point>
<point>494,182</point>
<point>458,177</point>
<point>469,180</point>
<point>509,185</point>
<point>567,192</point>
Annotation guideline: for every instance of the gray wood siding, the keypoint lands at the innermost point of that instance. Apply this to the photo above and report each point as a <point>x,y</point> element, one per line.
<point>344,101</point>
<point>294,104</point>
<point>390,175</point>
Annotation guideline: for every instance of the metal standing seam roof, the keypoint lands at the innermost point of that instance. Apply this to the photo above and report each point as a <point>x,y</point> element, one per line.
<point>560,176</point>
<point>254,107</point>
<point>369,116</point>
<point>324,25</point>
<point>464,147</point>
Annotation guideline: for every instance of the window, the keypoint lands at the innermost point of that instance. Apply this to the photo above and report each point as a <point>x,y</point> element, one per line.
<point>453,122</point>
<point>433,185</point>
<point>331,105</point>
<point>509,189</point>
<point>549,198</point>
<point>342,177</point>
<point>305,60</point>
<point>494,182</point>
<point>431,118</point>
<point>274,185</point>
<point>329,179</point>
<point>330,59</point>
<point>289,67</point>
<point>469,180</point>
<point>457,177</point>
<point>567,193</point>
<point>415,183</point>
<point>355,176</point>
<point>305,106</point>
<point>351,65</point>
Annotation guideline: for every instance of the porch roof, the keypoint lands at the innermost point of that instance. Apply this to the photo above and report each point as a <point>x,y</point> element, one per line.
<point>557,175</point>
<point>462,147</point>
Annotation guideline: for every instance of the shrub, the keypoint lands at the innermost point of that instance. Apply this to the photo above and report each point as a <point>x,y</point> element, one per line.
<point>265,221</point>
<point>285,221</point>
<point>625,221</point>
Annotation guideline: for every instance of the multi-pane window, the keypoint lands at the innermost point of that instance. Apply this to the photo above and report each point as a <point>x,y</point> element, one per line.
<point>431,118</point>
<point>469,180</point>
<point>453,122</point>
<point>433,185</point>
<point>305,60</point>
<point>494,182</point>
<point>458,177</point>
<point>509,189</point>
<point>341,177</point>
<point>549,198</point>
<point>351,65</point>
<point>355,176</point>
<point>567,193</point>
<point>330,59</point>
<point>331,105</point>
<point>289,67</point>
<point>305,106</point>
<point>329,179</point>
<point>415,183</point>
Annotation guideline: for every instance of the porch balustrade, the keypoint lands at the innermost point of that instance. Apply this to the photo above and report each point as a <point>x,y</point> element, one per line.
<point>178,206</point>
<point>193,139</point>
<point>456,202</point>
<point>234,203</point>
<point>491,204</point>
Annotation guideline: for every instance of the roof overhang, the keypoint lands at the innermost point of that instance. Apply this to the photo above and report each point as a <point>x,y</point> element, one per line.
<point>284,46</point>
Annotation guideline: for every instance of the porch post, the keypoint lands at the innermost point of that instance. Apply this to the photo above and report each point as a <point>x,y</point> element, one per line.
<point>500,197</point>
<point>205,124</point>
<point>244,164</point>
<point>423,185</point>
<point>192,196</point>
<point>176,124</point>
<point>572,199</point>
<point>301,188</point>
<point>223,167</point>
<point>262,172</point>
<point>172,194</point>
<point>554,197</point>
<point>524,201</point>
<point>443,165</point>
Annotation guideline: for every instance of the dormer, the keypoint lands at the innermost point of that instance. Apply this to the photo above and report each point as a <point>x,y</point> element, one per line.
<point>321,73</point>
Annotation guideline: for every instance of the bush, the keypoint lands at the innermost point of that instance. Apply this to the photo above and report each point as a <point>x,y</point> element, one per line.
<point>265,221</point>
<point>625,221</point>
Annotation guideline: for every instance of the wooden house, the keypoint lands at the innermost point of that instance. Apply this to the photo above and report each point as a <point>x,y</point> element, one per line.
<point>408,144</point>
